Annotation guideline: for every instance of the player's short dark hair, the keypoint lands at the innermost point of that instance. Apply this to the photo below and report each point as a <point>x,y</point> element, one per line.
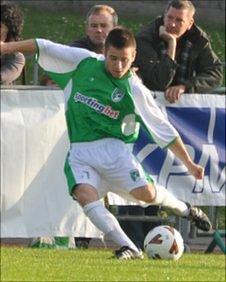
<point>12,17</point>
<point>120,37</point>
<point>181,4</point>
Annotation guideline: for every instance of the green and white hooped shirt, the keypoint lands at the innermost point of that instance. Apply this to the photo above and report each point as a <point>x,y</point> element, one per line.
<point>97,104</point>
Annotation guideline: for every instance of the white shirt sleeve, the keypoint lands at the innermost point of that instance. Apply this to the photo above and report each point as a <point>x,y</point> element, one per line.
<point>59,58</point>
<point>155,121</point>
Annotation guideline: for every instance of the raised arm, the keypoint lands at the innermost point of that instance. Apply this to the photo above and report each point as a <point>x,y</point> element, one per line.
<point>25,46</point>
<point>69,55</point>
<point>161,131</point>
<point>58,60</point>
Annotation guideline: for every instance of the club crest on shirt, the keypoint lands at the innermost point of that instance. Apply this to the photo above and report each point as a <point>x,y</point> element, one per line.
<point>117,95</point>
<point>135,174</point>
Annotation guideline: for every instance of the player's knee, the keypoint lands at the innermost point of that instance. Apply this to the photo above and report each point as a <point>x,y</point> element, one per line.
<point>145,193</point>
<point>85,194</point>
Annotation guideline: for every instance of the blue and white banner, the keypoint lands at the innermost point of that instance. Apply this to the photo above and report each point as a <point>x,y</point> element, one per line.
<point>200,120</point>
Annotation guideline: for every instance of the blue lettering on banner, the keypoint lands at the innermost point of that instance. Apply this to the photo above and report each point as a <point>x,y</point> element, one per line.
<point>203,132</point>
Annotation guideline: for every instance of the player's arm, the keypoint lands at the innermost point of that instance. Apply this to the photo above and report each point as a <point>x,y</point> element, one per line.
<point>25,46</point>
<point>180,151</point>
<point>58,60</point>
<point>47,49</point>
<point>163,133</point>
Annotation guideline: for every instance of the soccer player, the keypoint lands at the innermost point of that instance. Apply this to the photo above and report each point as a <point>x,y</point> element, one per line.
<point>105,105</point>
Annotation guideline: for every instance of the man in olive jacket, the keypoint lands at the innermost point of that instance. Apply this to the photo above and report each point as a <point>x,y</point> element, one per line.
<point>175,56</point>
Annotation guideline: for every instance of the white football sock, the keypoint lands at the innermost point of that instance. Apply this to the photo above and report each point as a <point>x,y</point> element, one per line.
<point>108,224</point>
<point>166,199</point>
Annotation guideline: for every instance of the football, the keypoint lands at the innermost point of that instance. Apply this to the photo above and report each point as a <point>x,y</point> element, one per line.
<point>164,242</point>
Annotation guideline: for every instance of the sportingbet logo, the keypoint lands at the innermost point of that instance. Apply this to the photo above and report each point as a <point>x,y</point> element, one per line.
<point>95,105</point>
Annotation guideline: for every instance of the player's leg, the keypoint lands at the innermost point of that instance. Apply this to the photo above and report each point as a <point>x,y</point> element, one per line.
<point>140,185</point>
<point>88,197</point>
<point>83,184</point>
<point>159,195</point>
<point>155,194</point>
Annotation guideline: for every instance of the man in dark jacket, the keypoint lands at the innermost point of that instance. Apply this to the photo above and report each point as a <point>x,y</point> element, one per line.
<point>174,55</point>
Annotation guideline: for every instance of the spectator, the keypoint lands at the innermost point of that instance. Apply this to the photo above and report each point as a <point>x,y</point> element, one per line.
<point>100,19</point>
<point>99,22</point>
<point>174,55</point>
<point>11,27</point>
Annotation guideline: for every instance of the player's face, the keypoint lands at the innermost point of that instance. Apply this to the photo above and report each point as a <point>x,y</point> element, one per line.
<point>98,27</point>
<point>119,61</point>
<point>178,21</point>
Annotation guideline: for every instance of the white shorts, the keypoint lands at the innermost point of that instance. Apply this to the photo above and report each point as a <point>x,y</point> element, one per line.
<point>107,165</point>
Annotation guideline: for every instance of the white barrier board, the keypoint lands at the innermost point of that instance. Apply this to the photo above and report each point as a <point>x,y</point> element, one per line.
<point>34,197</point>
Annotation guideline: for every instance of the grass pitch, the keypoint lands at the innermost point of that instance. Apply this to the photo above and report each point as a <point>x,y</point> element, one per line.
<point>24,264</point>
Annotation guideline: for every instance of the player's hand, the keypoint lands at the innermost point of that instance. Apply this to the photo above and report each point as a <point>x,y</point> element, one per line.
<point>173,93</point>
<point>196,170</point>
